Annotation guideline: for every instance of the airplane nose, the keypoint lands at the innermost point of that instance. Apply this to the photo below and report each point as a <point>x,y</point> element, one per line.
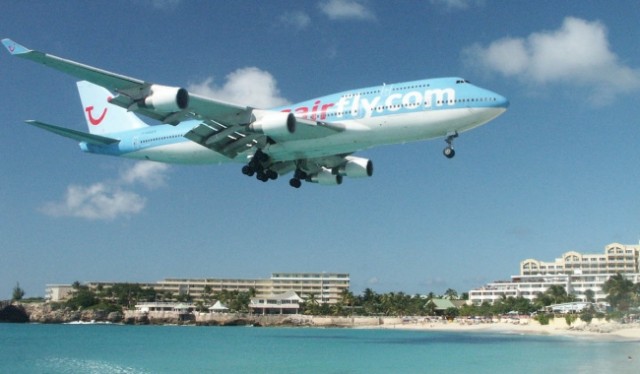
<point>501,101</point>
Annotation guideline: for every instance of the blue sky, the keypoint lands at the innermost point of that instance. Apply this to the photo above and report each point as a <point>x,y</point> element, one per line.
<point>558,172</point>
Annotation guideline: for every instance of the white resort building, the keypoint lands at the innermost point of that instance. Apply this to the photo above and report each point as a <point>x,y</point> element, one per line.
<point>57,292</point>
<point>576,272</point>
<point>326,287</point>
<point>283,303</point>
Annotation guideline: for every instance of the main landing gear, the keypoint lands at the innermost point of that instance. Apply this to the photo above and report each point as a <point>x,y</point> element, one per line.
<point>255,167</point>
<point>448,151</point>
<point>297,179</point>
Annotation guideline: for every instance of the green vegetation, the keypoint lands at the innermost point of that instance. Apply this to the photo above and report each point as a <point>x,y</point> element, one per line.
<point>587,315</point>
<point>622,293</point>
<point>570,318</point>
<point>18,293</point>
<point>123,295</point>
<point>235,300</point>
<point>543,318</point>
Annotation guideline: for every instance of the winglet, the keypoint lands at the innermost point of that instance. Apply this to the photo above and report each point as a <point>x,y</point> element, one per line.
<point>15,48</point>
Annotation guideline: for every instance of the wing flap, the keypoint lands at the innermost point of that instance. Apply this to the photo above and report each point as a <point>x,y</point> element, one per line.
<point>227,140</point>
<point>73,134</point>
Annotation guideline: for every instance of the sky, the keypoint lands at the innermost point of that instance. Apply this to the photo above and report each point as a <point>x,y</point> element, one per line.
<point>559,171</point>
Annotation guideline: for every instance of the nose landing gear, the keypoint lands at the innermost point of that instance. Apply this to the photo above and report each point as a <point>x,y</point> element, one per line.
<point>448,151</point>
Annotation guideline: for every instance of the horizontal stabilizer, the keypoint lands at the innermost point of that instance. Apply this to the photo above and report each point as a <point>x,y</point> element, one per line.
<point>73,134</point>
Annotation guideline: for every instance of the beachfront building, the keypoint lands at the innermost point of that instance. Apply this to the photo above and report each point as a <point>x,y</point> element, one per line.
<point>578,273</point>
<point>283,303</point>
<point>325,287</point>
<point>57,292</point>
<point>575,307</point>
<point>146,307</point>
<point>440,306</point>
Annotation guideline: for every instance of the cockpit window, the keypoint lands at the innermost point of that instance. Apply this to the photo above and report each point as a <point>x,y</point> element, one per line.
<point>462,81</point>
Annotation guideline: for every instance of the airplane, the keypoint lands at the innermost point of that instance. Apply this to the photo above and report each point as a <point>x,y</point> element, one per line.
<point>314,139</point>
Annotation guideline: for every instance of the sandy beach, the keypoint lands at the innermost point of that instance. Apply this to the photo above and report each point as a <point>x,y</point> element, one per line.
<point>597,329</point>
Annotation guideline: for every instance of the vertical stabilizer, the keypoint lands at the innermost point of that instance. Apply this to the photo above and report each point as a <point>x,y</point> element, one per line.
<point>102,117</point>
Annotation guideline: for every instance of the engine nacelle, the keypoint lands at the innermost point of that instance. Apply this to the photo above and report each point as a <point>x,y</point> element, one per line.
<point>167,99</point>
<point>326,178</point>
<point>356,167</point>
<point>273,123</point>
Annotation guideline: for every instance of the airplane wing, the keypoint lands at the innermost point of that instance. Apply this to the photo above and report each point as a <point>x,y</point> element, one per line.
<point>133,94</point>
<point>73,134</point>
<point>224,126</point>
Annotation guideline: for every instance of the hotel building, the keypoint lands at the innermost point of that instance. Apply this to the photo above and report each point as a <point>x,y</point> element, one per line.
<point>576,272</point>
<point>326,287</point>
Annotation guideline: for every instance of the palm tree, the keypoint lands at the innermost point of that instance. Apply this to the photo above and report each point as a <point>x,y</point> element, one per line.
<point>18,293</point>
<point>620,292</point>
<point>558,294</point>
<point>311,304</point>
<point>207,292</point>
<point>590,296</point>
<point>368,296</point>
<point>346,300</point>
<point>450,294</point>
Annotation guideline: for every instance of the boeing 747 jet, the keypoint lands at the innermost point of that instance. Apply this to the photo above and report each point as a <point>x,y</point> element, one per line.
<point>314,139</point>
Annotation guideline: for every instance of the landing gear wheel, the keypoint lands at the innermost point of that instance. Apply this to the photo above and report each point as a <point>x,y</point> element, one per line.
<point>272,175</point>
<point>299,174</point>
<point>261,176</point>
<point>449,152</point>
<point>295,183</point>
<point>248,171</point>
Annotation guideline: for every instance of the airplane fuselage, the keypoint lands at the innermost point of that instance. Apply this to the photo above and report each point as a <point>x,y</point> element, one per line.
<point>386,114</point>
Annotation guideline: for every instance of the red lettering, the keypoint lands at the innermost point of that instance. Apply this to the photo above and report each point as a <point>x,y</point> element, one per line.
<point>314,110</point>
<point>324,110</point>
<point>302,110</point>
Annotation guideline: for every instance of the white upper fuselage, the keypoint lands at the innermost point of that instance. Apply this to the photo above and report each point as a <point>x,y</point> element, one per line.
<point>368,117</point>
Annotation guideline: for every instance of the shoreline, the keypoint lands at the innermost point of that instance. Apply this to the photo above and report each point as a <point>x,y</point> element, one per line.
<point>600,330</point>
<point>597,329</point>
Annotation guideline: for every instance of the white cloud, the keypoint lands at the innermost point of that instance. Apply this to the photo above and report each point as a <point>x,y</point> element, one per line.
<point>577,53</point>
<point>454,4</point>
<point>99,201</point>
<point>346,10</point>
<point>247,86</point>
<point>109,200</point>
<point>296,19</point>
<point>150,174</point>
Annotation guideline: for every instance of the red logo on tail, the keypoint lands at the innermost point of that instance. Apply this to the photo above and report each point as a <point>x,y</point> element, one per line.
<point>95,121</point>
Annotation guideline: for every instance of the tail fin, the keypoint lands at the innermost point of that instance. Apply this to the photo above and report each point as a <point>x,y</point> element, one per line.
<point>102,117</point>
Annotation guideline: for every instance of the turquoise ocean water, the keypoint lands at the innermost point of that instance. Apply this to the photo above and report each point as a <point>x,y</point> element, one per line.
<point>35,348</point>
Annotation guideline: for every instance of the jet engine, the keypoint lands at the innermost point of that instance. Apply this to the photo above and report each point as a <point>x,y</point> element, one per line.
<point>273,123</point>
<point>167,99</point>
<point>355,167</point>
<point>326,177</point>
